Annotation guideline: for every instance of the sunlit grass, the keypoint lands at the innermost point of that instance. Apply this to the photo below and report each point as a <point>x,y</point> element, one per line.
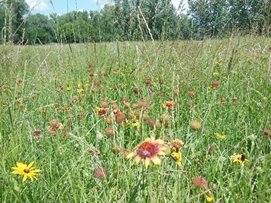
<point>212,95</point>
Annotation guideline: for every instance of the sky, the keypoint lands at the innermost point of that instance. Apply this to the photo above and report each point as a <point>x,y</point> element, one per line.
<point>63,6</point>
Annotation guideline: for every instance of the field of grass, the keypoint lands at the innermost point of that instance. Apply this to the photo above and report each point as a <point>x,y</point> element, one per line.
<point>110,97</point>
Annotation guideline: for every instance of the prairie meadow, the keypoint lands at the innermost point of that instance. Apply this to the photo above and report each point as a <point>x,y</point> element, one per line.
<point>150,122</point>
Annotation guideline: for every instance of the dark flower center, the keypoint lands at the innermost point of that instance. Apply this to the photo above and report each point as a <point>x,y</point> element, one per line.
<point>147,149</point>
<point>26,170</point>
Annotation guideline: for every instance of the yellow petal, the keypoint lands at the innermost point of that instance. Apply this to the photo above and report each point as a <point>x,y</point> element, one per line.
<point>31,164</point>
<point>159,141</point>
<point>20,165</point>
<point>156,160</point>
<point>130,155</point>
<point>147,162</point>
<point>25,177</point>
<point>137,159</point>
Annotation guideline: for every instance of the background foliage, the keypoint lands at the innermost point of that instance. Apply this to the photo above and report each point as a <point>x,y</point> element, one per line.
<point>133,20</point>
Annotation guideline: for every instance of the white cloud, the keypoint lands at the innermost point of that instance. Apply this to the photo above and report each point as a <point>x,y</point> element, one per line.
<point>101,3</point>
<point>38,5</point>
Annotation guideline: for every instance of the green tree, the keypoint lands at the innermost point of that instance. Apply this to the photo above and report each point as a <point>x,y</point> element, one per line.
<point>39,29</point>
<point>12,14</point>
<point>211,16</point>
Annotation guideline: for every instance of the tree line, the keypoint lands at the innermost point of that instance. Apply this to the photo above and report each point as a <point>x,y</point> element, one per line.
<point>132,20</point>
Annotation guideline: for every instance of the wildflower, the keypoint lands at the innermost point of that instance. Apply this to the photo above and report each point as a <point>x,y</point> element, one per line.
<point>122,86</point>
<point>217,63</point>
<point>226,78</point>
<point>168,104</point>
<point>116,149</point>
<point>151,123</point>
<point>177,156</point>
<point>20,82</point>
<point>189,105</point>
<point>109,132</point>
<point>80,90</point>
<point>54,125</point>
<point>80,116</point>
<point>165,118</point>
<point>176,144</point>
<point>116,71</point>
<point>195,125</point>
<point>266,132</point>
<point>215,84</point>
<point>217,74</point>
<point>37,134</point>
<point>145,117</point>
<point>65,132</point>
<point>223,101</point>
<point>150,92</point>
<point>200,182</point>
<point>158,125</point>
<point>120,117</point>
<point>104,104</point>
<point>175,92</point>
<point>134,123</point>
<point>148,81</point>
<point>99,136</point>
<point>91,75</point>
<point>96,82</point>
<point>241,158</point>
<point>191,93</point>
<point>143,103</point>
<point>220,136</point>
<point>27,171</point>
<point>125,152</point>
<point>148,150</point>
<point>101,111</point>
<point>211,149</point>
<point>211,88</point>
<point>68,88</point>
<point>135,90</point>
<point>94,152</point>
<point>234,99</point>
<point>208,197</point>
<point>100,173</point>
<point>196,160</point>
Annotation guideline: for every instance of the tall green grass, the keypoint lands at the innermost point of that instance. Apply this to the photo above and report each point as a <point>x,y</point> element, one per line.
<point>67,166</point>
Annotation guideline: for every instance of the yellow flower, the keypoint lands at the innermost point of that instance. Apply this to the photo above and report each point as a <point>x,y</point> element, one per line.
<point>209,198</point>
<point>177,156</point>
<point>116,71</point>
<point>148,150</point>
<point>80,90</point>
<point>220,136</point>
<point>122,86</point>
<point>226,78</point>
<point>27,171</point>
<point>134,123</point>
<point>241,158</point>
<point>218,63</point>
<point>68,88</point>
<point>212,87</point>
<point>217,74</point>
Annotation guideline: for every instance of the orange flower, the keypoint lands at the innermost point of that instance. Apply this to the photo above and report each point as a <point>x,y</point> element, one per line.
<point>176,144</point>
<point>148,150</point>
<point>101,111</point>
<point>168,104</point>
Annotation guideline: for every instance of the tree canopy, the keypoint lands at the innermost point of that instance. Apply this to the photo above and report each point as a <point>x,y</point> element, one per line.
<point>136,20</point>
